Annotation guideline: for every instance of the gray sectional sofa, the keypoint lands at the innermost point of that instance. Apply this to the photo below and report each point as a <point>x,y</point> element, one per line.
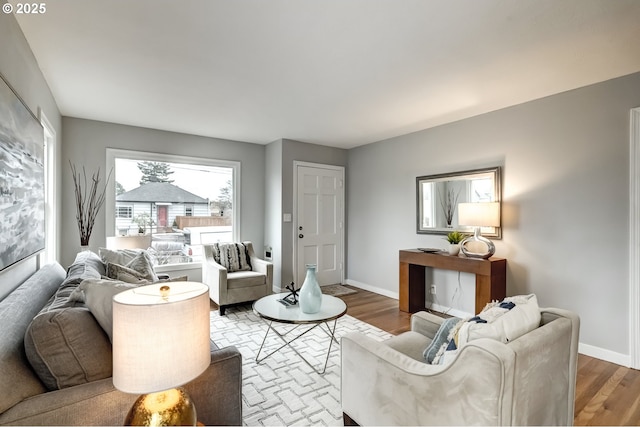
<point>79,390</point>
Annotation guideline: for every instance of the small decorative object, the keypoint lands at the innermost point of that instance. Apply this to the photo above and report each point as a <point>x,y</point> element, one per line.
<point>89,200</point>
<point>310,292</point>
<point>486,214</point>
<point>292,298</point>
<point>160,342</point>
<point>454,238</point>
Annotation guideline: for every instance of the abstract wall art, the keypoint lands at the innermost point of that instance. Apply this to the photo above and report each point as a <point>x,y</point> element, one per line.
<point>22,196</point>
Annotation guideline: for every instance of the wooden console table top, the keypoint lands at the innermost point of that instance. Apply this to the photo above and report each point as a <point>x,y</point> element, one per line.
<point>491,277</point>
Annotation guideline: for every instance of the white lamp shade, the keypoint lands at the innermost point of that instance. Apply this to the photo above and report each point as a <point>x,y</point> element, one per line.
<point>485,214</point>
<point>159,344</point>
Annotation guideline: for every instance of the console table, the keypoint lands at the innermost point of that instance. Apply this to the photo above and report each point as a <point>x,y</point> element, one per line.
<point>491,277</point>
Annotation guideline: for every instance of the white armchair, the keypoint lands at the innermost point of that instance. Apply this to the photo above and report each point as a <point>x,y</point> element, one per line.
<point>528,381</point>
<point>227,288</point>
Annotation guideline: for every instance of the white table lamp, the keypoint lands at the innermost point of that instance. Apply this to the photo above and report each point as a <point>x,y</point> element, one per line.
<point>485,214</point>
<point>160,342</point>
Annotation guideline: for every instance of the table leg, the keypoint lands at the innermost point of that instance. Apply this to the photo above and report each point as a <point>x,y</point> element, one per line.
<point>330,331</point>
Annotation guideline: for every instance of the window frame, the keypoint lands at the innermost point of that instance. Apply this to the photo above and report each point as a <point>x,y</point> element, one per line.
<point>110,198</point>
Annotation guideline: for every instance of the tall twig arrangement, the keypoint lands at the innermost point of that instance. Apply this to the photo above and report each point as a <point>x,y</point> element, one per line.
<point>449,203</point>
<point>89,200</point>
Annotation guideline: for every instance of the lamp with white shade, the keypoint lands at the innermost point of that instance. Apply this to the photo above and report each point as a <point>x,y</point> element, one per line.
<point>484,214</point>
<point>160,342</point>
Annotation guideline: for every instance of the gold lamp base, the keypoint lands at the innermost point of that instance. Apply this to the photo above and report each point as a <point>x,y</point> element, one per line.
<point>165,408</point>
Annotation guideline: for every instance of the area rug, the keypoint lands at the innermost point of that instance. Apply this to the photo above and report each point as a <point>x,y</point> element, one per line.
<point>337,290</point>
<point>283,390</point>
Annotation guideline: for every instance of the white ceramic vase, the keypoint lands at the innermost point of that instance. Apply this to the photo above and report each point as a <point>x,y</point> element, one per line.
<point>454,249</point>
<point>310,292</point>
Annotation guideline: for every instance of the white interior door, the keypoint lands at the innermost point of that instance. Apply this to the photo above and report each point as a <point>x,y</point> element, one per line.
<point>319,226</point>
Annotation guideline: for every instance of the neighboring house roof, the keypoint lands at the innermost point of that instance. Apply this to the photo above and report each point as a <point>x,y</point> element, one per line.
<point>160,192</point>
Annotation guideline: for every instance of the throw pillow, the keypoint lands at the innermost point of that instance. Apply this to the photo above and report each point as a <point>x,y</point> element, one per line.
<point>143,264</point>
<point>125,274</point>
<point>67,347</point>
<point>138,270</point>
<point>502,321</point>
<point>119,256</point>
<point>232,256</point>
<point>98,296</point>
<point>441,337</point>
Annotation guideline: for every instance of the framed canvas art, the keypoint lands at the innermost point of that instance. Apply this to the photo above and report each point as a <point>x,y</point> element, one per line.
<point>22,194</point>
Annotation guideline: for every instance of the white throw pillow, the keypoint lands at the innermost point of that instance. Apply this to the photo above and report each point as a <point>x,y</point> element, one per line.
<point>502,324</point>
<point>98,296</point>
<point>502,321</point>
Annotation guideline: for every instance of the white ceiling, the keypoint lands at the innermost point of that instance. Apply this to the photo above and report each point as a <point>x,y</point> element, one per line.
<point>335,72</point>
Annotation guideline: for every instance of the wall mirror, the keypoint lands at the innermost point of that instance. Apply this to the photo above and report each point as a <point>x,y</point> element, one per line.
<point>437,198</point>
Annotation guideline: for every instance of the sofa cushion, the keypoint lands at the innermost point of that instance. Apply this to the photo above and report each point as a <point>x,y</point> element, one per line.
<point>87,265</point>
<point>232,256</point>
<point>67,347</point>
<point>17,379</point>
<point>244,279</point>
<point>98,296</point>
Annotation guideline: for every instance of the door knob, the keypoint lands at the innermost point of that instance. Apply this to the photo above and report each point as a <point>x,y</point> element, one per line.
<point>301,235</point>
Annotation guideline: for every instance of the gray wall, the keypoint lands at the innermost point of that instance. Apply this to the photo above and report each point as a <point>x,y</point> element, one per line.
<point>20,69</point>
<point>85,143</point>
<point>280,157</point>
<point>565,165</point>
<point>273,208</point>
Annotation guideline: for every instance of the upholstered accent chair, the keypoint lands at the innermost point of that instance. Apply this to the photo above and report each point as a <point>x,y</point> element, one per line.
<point>527,381</point>
<point>235,274</point>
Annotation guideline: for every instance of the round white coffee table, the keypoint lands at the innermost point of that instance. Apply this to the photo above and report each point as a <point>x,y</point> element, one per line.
<point>270,310</point>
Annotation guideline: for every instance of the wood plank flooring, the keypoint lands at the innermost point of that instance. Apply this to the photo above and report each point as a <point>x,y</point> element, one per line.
<point>606,393</point>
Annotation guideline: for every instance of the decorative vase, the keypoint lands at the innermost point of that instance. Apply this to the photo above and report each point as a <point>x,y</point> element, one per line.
<point>310,292</point>
<point>454,248</point>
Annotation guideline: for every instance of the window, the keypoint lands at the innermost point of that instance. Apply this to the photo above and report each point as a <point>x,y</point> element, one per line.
<point>125,212</point>
<point>179,202</point>
<point>50,253</point>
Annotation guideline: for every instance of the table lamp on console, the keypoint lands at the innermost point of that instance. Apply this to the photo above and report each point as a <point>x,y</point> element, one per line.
<point>160,342</point>
<point>484,214</point>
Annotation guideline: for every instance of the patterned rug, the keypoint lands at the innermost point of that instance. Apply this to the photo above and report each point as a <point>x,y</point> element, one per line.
<point>337,290</point>
<point>283,390</point>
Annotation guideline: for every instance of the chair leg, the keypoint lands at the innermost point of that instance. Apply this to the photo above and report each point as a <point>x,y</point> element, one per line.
<point>222,310</point>
<point>348,421</point>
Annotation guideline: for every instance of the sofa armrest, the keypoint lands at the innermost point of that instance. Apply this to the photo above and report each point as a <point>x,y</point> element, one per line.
<point>217,395</point>
<point>381,386</point>
<point>426,323</point>
<point>213,275</point>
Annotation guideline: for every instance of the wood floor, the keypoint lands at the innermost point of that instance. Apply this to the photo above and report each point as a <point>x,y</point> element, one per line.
<point>606,394</point>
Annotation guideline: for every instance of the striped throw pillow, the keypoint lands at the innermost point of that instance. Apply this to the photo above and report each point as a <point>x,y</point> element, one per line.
<point>232,256</point>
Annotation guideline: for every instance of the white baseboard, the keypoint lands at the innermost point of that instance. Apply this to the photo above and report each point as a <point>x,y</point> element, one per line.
<point>586,349</point>
<point>604,354</point>
<point>375,290</point>
<point>450,311</point>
